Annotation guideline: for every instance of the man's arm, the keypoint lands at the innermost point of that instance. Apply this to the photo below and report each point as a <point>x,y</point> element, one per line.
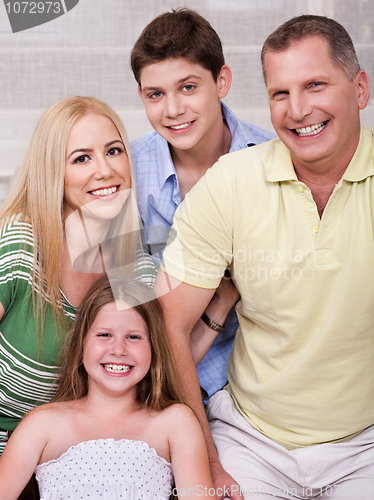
<point>202,336</point>
<point>183,305</point>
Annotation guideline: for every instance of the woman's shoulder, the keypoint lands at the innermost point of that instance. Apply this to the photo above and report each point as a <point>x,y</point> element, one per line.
<point>145,269</point>
<point>15,230</point>
<point>16,250</point>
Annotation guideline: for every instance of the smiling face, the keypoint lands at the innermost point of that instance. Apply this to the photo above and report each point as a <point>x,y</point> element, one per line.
<point>182,102</point>
<point>97,166</point>
<point>314,106</point>
<point>116,351</point>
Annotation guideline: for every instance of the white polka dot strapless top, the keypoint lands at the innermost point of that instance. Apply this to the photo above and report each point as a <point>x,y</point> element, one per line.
<point>106,469</point>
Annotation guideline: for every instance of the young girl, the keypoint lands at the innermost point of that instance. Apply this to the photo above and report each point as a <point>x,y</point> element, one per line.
<point>115,428</point>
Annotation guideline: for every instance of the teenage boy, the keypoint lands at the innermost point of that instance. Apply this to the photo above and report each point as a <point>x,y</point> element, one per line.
<point>293,219</point>
<point>179,65</point>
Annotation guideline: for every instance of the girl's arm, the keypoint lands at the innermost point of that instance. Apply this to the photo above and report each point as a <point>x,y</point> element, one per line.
<point>21,455</point>
<point>189,456</point>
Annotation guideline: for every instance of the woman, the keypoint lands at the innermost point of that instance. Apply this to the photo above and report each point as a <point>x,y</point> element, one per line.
<point>77,175</point>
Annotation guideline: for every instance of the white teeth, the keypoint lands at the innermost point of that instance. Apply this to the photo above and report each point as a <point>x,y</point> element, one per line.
<point>117,368</point>
<point>178,127</point>
<point>312,130</point>
<point>105,191</point>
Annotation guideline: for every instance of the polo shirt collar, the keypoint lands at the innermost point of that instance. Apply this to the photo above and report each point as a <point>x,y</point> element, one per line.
<point>281,167</point>
<point>360,167</point>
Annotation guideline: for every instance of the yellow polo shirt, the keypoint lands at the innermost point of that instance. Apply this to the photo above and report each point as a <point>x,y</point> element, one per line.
<point>302,365</point>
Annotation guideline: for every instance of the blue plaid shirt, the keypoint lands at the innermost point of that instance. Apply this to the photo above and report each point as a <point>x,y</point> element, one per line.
<point>158,199</point>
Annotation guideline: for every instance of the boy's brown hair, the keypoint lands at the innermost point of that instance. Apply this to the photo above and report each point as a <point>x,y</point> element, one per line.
<point>179,33</point>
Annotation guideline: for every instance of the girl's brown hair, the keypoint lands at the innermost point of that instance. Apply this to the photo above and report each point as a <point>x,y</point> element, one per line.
<point>158,389</point>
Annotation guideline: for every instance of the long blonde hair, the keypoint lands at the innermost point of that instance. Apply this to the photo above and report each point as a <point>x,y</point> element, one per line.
<point>38,192</point>
<point>158,389</point>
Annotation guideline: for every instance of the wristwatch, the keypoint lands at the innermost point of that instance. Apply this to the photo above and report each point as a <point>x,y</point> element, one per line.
<point>212,324</point>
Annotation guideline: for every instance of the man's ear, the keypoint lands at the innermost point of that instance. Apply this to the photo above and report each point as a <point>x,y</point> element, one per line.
<point>140,93</point>
<point>363,88</point>
<point>224,81</point>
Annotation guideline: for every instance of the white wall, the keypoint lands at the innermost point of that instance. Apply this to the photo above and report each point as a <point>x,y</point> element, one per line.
<point>87,52</point>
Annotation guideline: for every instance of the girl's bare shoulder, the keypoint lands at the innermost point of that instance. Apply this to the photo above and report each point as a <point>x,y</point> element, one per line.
<point>55,408</point>
<point>177,416</point>
<point>50,412</point>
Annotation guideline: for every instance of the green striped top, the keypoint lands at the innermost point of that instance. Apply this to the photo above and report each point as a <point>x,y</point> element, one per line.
<point>28,371</point>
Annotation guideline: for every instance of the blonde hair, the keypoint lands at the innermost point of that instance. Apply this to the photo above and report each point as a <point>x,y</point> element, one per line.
<point>158,389</point>
<point>38,192</point>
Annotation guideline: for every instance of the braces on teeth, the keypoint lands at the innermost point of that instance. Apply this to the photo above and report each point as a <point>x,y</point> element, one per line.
<point>117,368</point>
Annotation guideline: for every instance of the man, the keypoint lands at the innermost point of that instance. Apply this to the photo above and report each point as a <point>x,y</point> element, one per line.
<point>293,220</point>
<point>179,65</point>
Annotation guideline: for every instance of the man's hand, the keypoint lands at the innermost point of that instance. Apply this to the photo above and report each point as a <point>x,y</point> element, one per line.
<point>224,484</point>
